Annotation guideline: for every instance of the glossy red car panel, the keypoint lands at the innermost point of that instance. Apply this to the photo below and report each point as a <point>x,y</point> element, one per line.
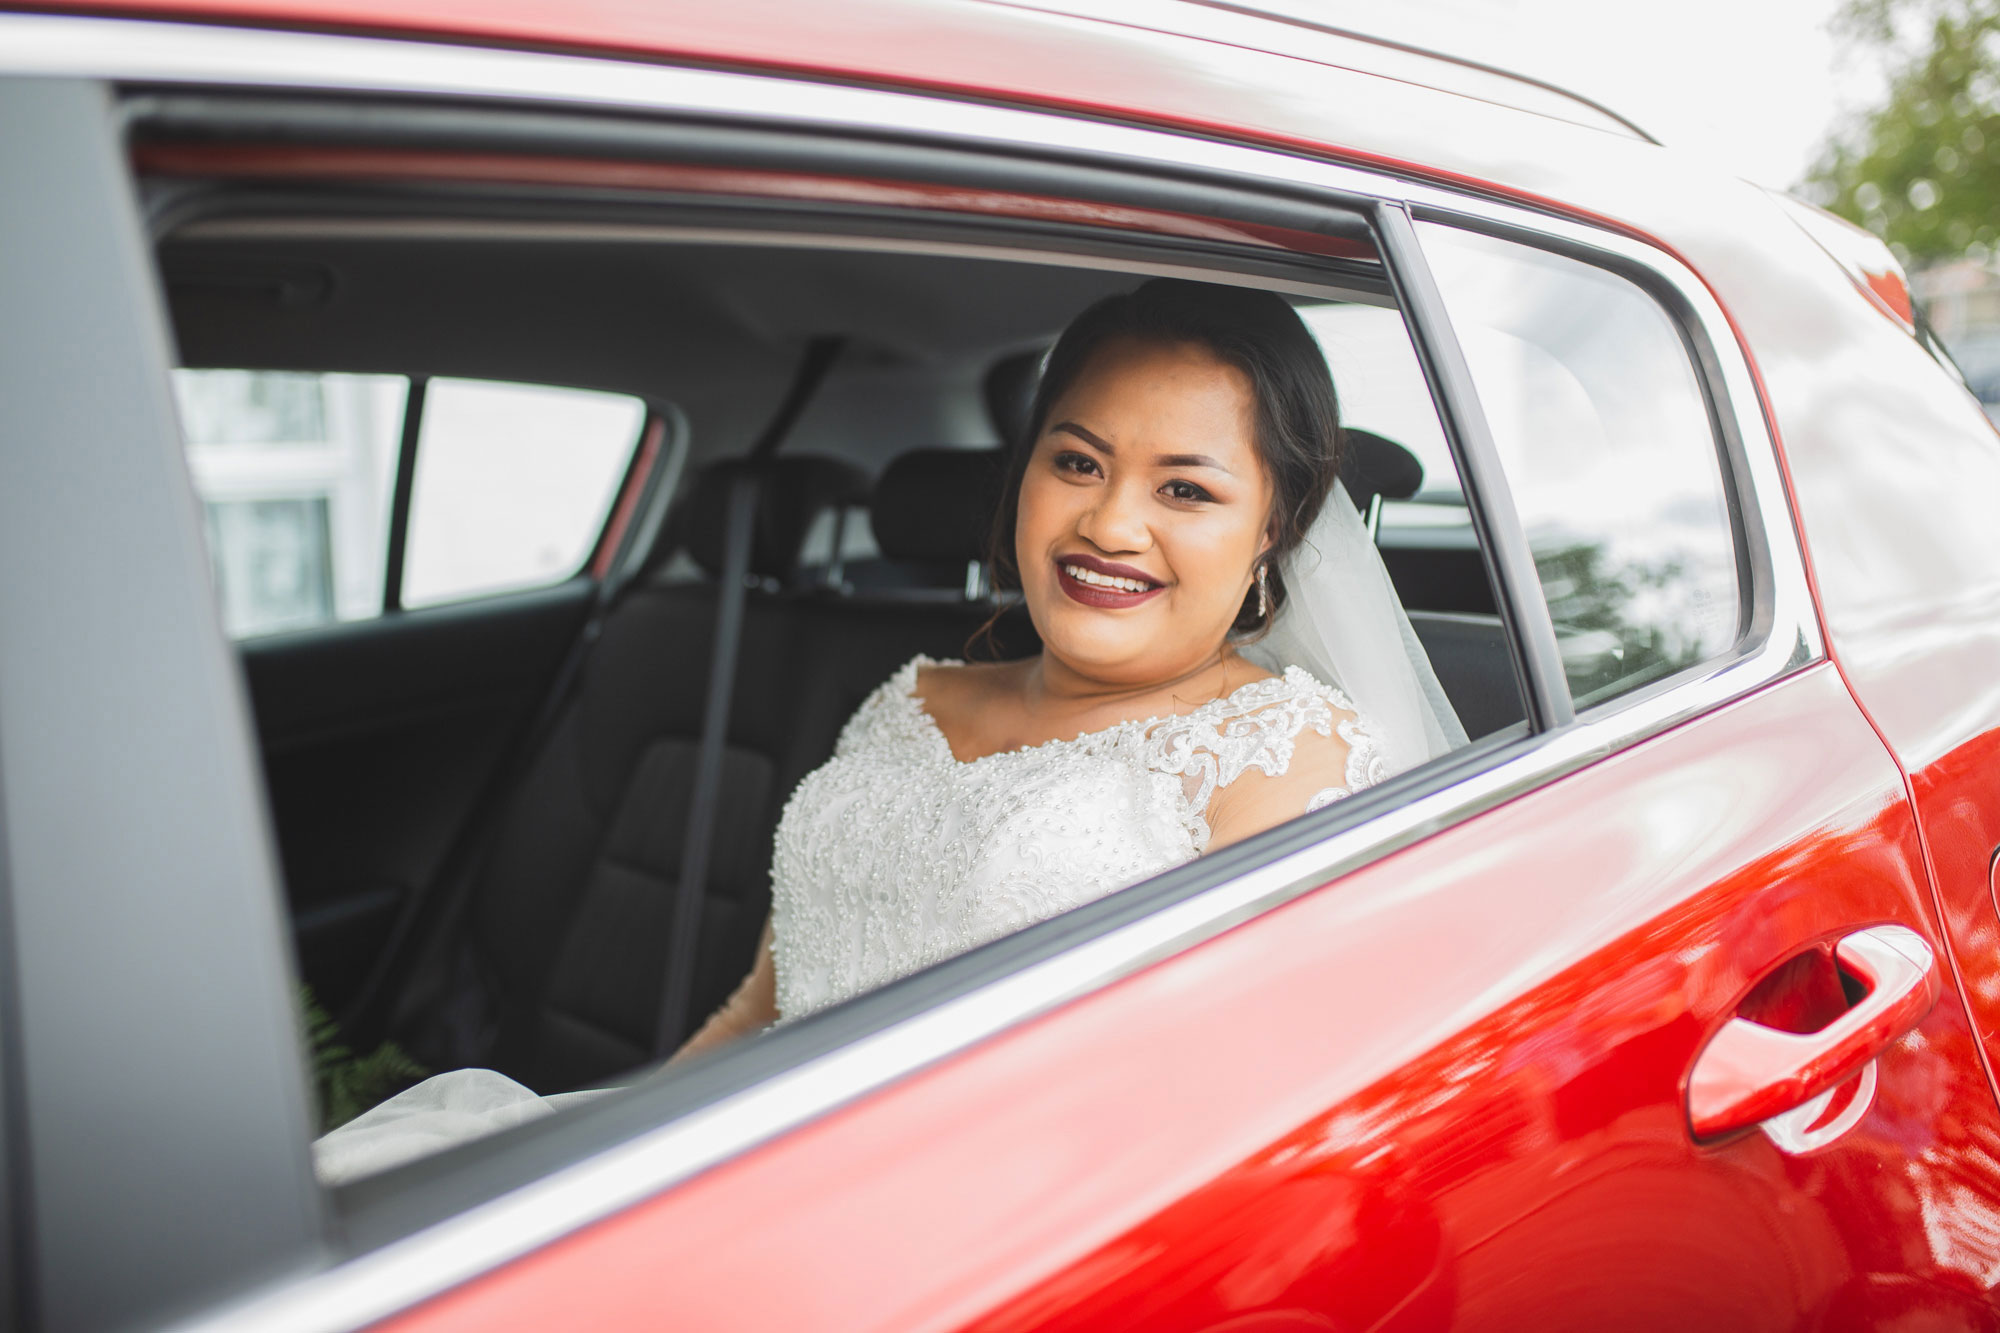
<point>1264,1148</point>
<point>1895,470</point>
<point>1451,1088</point>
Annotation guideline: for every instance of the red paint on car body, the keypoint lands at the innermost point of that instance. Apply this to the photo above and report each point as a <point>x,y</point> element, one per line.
<point>1242,1132</point>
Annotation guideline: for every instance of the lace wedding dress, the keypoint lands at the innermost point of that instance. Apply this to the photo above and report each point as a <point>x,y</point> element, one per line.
<point>894,855</point>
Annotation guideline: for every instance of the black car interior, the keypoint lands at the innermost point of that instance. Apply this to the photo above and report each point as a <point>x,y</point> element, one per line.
<point>483,809</point>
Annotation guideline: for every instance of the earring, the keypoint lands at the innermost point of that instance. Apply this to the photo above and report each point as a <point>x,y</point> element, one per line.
<point>1264,590</point>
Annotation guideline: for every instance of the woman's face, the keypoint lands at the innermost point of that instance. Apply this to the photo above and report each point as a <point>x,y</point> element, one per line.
<point>1144,508</point>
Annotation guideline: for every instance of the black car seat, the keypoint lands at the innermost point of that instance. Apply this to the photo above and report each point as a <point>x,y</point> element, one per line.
<point>1468,651</point>
<point>552,972</point>
<point>931,511</point>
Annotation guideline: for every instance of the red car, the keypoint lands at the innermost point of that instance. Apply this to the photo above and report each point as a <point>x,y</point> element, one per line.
<point>373,376</point>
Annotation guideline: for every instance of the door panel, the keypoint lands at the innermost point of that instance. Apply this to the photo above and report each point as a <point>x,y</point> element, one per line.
<point>378,737</point>
<point>1895,468</point>
<point>1447,1089</point>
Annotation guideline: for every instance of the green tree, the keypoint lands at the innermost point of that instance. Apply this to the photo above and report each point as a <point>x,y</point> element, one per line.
<point>1923,169</point>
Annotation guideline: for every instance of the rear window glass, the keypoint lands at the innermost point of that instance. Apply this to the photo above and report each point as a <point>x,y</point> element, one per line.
<point>296,472</point>
<point>513,484</point>
<point>1607,443</point>
<point>1382,387</point>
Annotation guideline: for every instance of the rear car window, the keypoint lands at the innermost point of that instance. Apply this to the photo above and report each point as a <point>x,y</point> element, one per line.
<point>513,484</point>
<point>1382,389</point>
<point>296,472</point>
<point>1608,446</point>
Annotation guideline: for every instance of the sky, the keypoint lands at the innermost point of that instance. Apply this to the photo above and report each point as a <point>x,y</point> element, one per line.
<point>1754,85</point>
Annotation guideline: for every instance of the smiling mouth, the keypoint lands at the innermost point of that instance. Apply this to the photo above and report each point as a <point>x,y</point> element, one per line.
<point>1094,587</point>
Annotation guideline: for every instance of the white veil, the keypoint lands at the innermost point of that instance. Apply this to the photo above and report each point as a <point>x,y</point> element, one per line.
<point>1343,621</point>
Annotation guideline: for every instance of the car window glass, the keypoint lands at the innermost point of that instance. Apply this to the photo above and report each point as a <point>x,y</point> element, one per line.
<point>1382,387</point>
<point>513,484</point>
<point>294,472</point>
<point>1609,450</point>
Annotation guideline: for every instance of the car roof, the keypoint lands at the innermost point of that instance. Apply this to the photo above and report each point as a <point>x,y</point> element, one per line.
<point>1129,58</point>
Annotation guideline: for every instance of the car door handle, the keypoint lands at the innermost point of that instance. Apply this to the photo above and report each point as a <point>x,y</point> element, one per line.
<point>1750,1072</point>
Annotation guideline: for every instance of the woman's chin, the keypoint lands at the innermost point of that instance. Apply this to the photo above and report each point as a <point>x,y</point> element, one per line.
<point>1109,647</point>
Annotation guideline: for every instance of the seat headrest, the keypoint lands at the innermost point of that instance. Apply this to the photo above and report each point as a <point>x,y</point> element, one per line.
<point>937,504</point>
<point>795,490</point>
<point>1371,465</point>
<point>1009,389</point>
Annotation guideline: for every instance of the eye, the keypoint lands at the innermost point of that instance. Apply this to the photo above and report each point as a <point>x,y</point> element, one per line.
<point>1083,465</point>
<point>1180,489</point>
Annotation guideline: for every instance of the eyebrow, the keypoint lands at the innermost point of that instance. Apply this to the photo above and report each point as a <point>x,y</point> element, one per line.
<point>1165,460</point>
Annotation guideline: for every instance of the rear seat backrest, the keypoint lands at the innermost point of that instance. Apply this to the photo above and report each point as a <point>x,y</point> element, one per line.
<point>570,914</point>
<point>931,511</point>
<point>1469,654</point>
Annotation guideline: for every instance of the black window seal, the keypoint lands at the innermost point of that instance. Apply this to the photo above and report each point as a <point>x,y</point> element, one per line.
<point>399,501</point>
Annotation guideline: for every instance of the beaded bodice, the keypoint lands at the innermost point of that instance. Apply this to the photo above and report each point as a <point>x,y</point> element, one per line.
<point>895,854</point>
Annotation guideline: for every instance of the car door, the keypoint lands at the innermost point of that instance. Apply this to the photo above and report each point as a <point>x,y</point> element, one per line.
<point>1424,1057</point>
<point>1896,474</point>
<point>1658,1033</point>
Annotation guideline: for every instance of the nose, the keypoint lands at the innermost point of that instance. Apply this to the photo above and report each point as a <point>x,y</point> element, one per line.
<point>1115,521</point>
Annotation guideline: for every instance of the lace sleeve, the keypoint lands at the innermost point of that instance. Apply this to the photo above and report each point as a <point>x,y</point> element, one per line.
<point>1366,765</point>
<point>1258,727</point>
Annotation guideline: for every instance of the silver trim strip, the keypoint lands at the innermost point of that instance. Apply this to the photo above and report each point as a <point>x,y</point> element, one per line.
<point>416,1267</point>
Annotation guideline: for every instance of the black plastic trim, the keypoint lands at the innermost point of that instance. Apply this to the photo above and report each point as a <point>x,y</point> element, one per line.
<point>181,116</point>
<point>167,1123</point>
<point>399,502</point>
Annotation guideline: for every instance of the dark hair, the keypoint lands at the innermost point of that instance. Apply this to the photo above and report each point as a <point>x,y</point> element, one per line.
<point>1298,417</point>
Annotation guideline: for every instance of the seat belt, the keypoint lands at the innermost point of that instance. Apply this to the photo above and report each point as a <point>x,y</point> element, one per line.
<point>697,846</point>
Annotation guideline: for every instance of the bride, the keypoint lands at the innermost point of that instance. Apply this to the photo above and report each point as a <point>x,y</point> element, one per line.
<point>1199,585</point>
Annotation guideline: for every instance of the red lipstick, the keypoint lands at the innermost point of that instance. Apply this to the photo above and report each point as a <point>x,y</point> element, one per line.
<point>1098,595</point>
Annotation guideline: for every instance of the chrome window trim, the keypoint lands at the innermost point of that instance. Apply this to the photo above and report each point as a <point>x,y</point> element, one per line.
<point>401,1273</point>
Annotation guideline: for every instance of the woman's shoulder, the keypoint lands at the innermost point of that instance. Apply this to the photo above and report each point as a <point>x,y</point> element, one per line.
<point>1279,745</point>
<point>1260,723</point>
